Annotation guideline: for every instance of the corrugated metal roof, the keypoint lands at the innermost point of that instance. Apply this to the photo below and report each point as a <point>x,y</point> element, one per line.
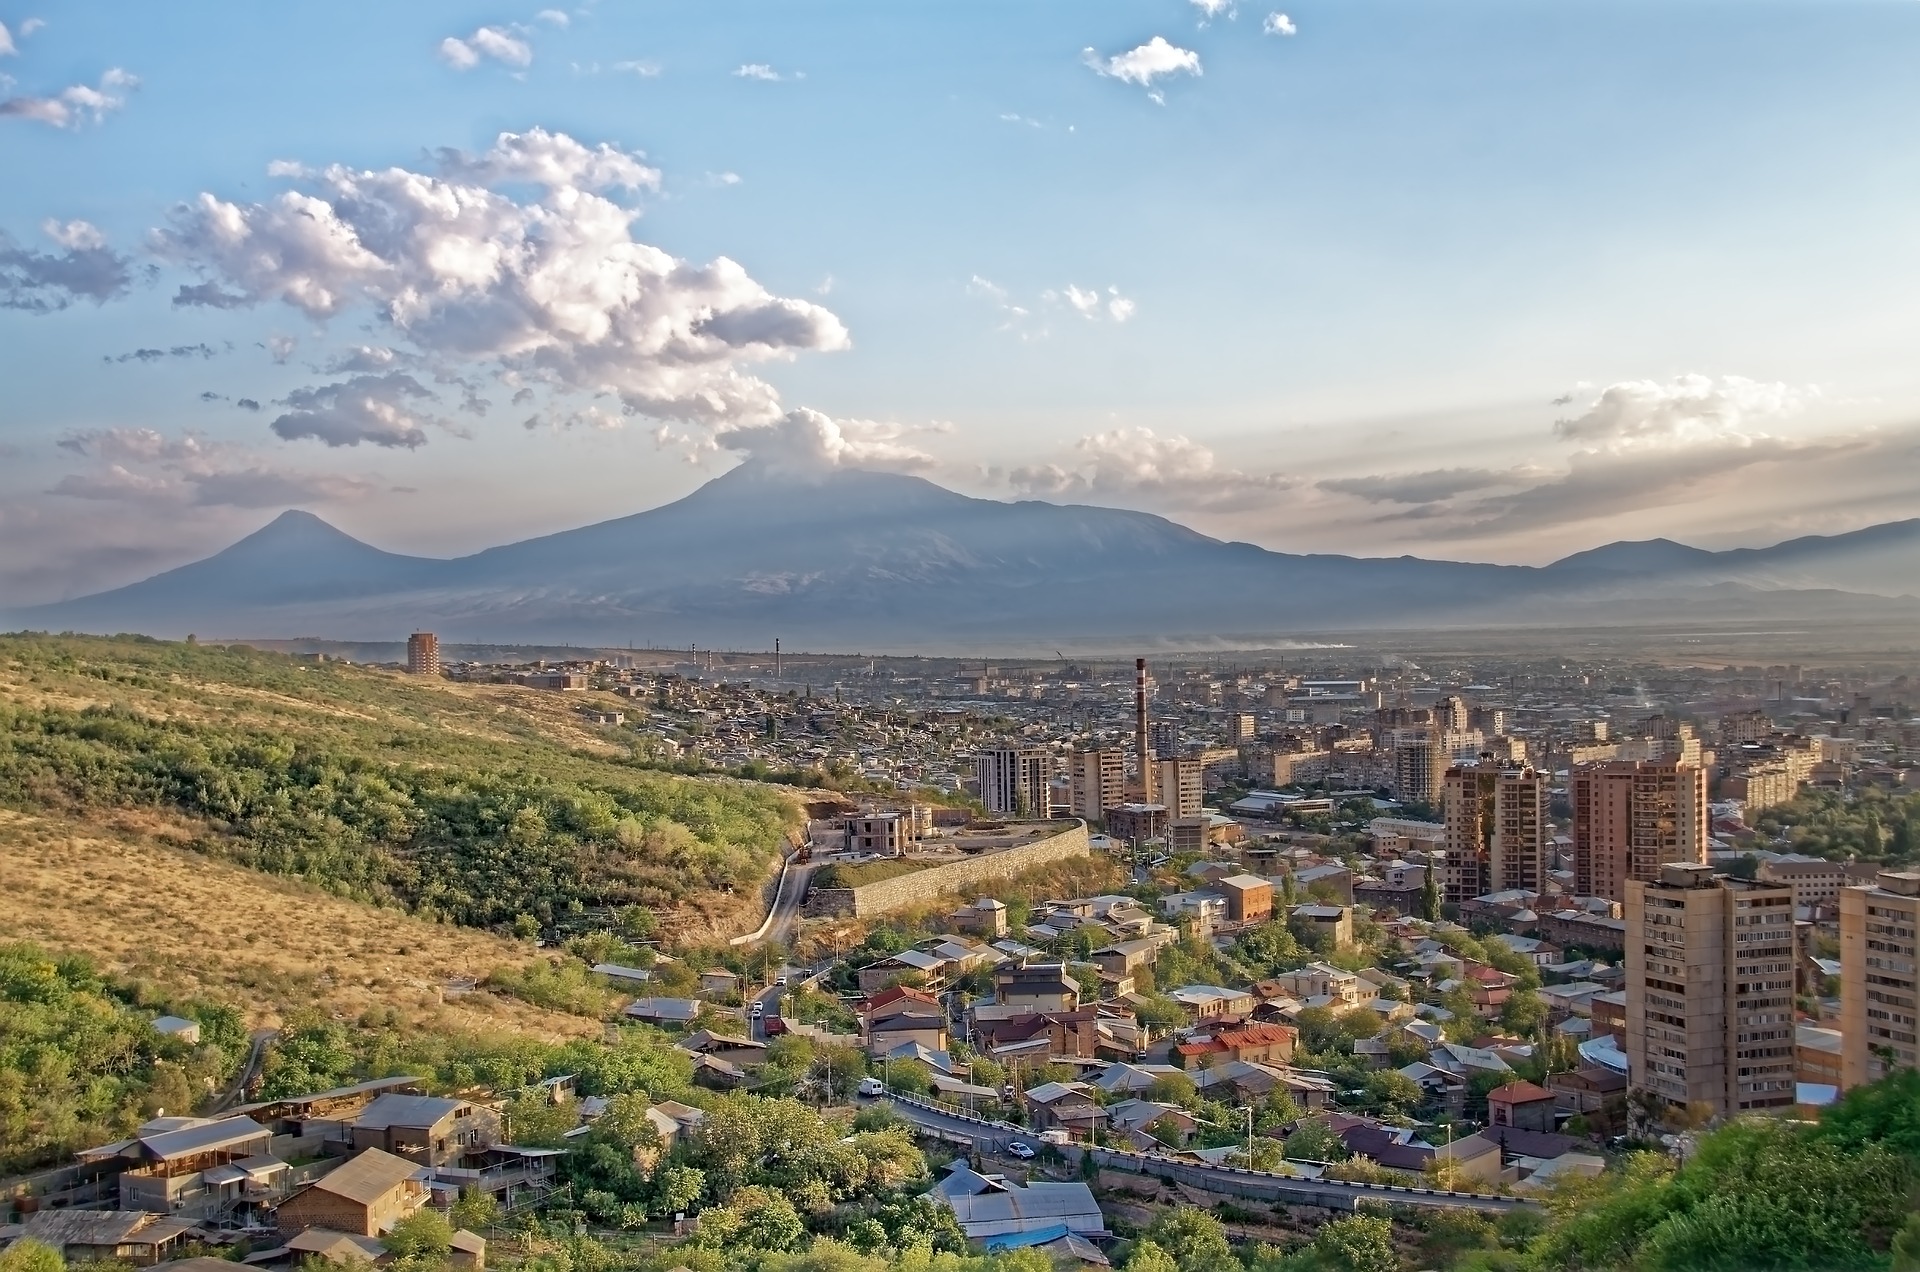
<point>405,1110</point>
<point>1018,1209</point>
<point>367,1177</point>
<point>203,1138</point>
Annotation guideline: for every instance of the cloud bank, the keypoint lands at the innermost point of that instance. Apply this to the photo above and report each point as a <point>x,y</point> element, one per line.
<point>517,261</point>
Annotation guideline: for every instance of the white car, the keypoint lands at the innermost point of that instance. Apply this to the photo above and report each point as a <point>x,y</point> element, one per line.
<point>758,1009</point>
<point>1021,1149</point>
<point>870,1087</point>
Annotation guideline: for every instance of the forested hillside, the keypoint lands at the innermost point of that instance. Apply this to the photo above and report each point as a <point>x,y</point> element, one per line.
<point>456,804</point>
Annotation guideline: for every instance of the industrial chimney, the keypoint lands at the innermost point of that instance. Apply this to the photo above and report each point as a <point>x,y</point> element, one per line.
<point>1144,752</point>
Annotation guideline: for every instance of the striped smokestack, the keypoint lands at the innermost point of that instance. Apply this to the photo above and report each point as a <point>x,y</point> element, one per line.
<point>1140,729</point>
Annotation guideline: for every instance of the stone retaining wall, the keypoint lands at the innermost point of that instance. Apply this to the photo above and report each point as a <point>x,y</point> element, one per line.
<point>905,890</point>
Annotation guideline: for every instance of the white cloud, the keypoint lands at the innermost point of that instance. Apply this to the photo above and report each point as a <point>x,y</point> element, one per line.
<point>1137,462</point>
<point>7,46</point>
<point>1153,60</point>
<point>1021,120</point>
<point>72,107</point>
<point>1279,24</point>
<point>806,440</point>
<point>554,290</point>
<point>1682,411</point>
<point>43,282</point>
<point>281,347</point>
<point>645,68</point>
<point>363,359</point>
<point>497,43</point>
<point>381,410</point>
<point>31,25</point>
<point>142,466</point>
<point>758,71</point>
<point>1093,305</point>
<point>1211,9</point>
<point>553,17</point>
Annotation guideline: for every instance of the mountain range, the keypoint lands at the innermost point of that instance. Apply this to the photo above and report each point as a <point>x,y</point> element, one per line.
<point>848,559</point>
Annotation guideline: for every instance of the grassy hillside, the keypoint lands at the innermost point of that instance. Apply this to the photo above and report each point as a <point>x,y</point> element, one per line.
<point>484,806</point>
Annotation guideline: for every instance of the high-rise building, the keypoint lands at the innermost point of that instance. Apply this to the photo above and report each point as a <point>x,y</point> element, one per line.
<point>1710,976</point>
<point>1164,737</point>
<point>1631,817</point>
<point>1099,783</point>
<point>1178,785</point>
<point>1450,715</point>
<point>1419,766</point>
<point>1498,831</point>
<point>423,654</point>
<point>1240,727</point>
<point>1015,781</point>
<point>1879,985</point>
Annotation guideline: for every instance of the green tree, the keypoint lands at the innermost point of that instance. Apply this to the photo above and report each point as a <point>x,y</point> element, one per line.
<point>1194,1240</point>
<point>1147,1256</point>
<point>1906,1244</point>
<point>421,1242</point>
<point>1394,1093</point>
<point>474,1210</point>
<point>1315,1142</point>
<point>28,1255</point>
<point>1357,1243</point>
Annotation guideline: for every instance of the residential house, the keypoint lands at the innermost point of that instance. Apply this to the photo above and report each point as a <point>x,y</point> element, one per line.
<point>1594,1092</point>
<point>165,1167</point>
<point>365,1197</point>
<point>985,917</point>
<point>179,1029</point>
<point>424,1129</point>
<point>905,967</point>
<point>1036,986</point>
<point>1249,898</point>
<point>732,1048</point>
<point>991,1209</point>
<point>668,1012</point>
<point>1063,1106</point>
<point>141,1238</point>
<point>1143,1123</point>
<point>1132,1079</point>
<point>1123,958</point>
<point>1212,1002</point>
<point>1328,924</point>
<point>718,980</point>
<point>1523,1105</point>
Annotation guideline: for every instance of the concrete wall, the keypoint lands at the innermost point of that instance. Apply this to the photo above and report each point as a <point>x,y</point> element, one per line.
<point>956,877</point>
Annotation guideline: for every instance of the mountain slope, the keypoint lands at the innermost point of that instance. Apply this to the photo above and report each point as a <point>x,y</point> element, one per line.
<point>855,559</point>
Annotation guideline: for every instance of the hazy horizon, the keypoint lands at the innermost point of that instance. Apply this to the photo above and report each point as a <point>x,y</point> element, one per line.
<point>1492,282</point>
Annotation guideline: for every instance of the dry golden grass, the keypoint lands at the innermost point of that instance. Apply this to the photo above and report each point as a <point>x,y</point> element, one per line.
<point>268,945</point>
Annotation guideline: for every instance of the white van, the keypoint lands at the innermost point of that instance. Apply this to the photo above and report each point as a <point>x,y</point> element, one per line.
<point>870,1087</point>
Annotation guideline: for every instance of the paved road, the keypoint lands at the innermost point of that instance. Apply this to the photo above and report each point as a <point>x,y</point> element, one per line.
<point>256,1057</point>
<point>785,910</point>
<point>1333,1194</point>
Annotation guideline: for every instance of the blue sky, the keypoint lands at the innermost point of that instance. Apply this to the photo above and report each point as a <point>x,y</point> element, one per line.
<point>1488,280</point>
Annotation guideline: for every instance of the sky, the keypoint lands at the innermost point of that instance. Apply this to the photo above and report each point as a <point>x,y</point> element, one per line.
<point>1488,281</point>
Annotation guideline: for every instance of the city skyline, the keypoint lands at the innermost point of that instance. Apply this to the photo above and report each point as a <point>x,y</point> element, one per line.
<point>1488,284</point>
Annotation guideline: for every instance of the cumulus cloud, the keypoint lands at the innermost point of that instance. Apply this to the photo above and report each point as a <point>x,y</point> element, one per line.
<point>362,359</point>
<point>280,347</point>
<point>759,71</point>
<point>1683,410</point>
<point>550,289</point>
<point>1092,305</point>
<point>42,282</point>
<point>381,410</point>
<point>1279,24</point>
<point>807,440</point>
<point>1156,59</point>
<point>75,106</point>
<point>489,42</point>
<point>1137,462</point>
<point>143,466</point>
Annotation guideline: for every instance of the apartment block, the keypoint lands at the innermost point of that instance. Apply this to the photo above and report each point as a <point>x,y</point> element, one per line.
<point>1178,784</point>
<point>1294,767</point>
<point>1099,780</point>
<point>1878,985</point>
<point>1630,818</point>
<point>423,654</point>
<point>1710,1014</point>
<point>1015,780</point>
<point>1498,833</point>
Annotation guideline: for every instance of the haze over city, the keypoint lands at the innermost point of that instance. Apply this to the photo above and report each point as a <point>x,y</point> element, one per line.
<point>1495,282</point>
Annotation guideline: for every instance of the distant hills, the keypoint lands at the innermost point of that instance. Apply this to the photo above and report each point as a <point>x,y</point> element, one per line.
<point>870,561</point>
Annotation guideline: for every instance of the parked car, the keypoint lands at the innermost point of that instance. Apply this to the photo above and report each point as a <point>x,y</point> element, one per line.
<point>758,1009</point>
<point>870,1087</point>
<point>1021,1149</point>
